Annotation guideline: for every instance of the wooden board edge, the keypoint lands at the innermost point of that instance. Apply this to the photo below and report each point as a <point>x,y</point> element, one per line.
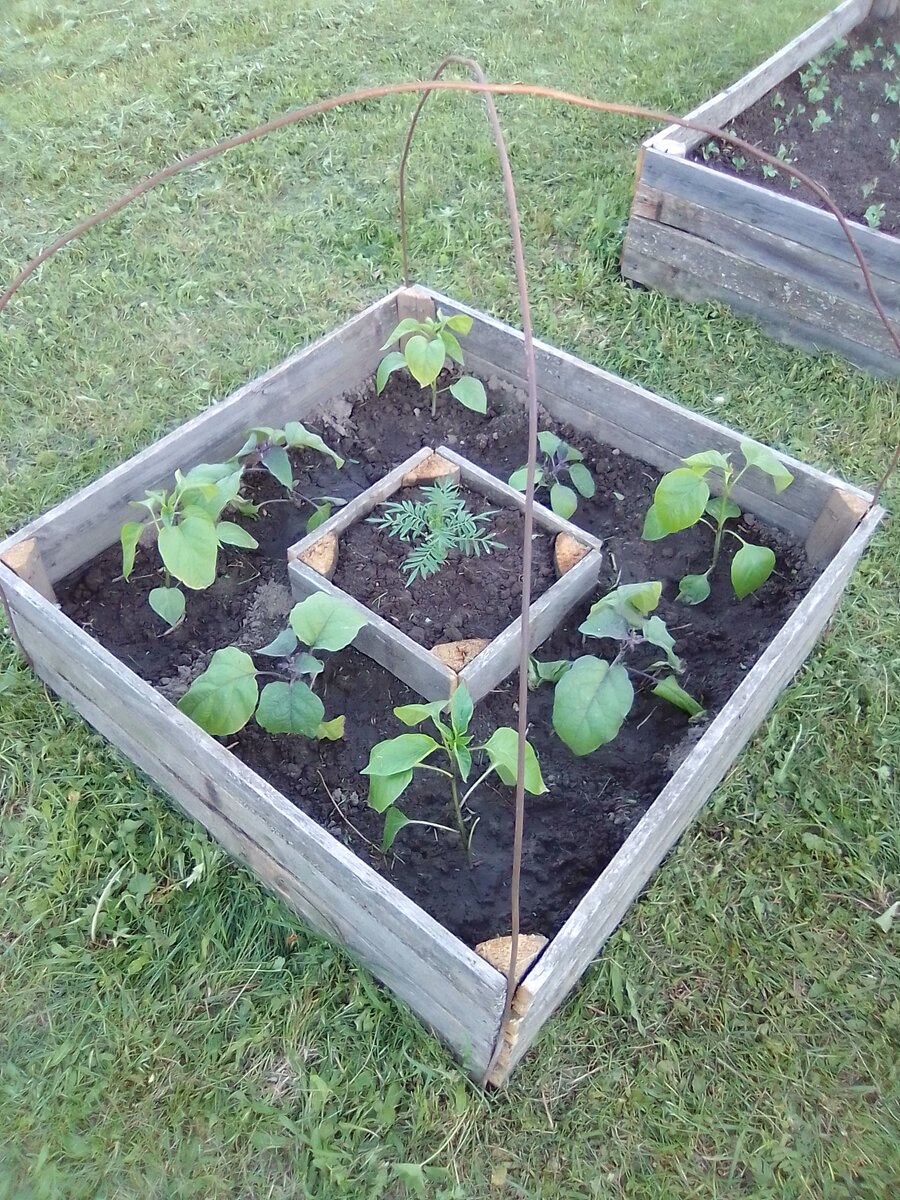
<point>24,558</point>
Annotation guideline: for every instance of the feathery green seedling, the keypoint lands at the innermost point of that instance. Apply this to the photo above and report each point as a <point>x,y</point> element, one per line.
<point>430,344</point>
<point>559,459</point>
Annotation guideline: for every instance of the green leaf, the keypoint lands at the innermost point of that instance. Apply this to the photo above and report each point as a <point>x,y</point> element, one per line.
<point>563,500</point>
<point>573,455</point>
<point>708,460</point>
<point>546,672</point>
<point>282,646</point>
<point>331,731</point>
<point>223,698</point>
<point>415,714</point>
<point>631,601</point>
<point>300,438</point>
<point>591,702</point>
<point>250,444</point>
<point>462,756</point>
<point>230,534</point>
<point>399,754</point>
<point>502,749</point>
<point>655,632</point>
<point>275,460</point>
<point>394,821</point>
<point>385,789</point>
<point>319,517</point>
<point>693,589</point>
<point>212,497</point>
<point>406,326</point>
<point>669,689</point>
<point>189,549</point>
<point>289,708</point>
<point>425,358</point>
<point>461,709</point>
<point>390,363</point>
<point>519,479</point>
<point>307,664</point>
<point>452,346</point>
<point>460,323</point>
<point>130,535</point>
<point>168,603</point>
<point>549,442</point>
<point>721,509</point>
<point>679,499</point>
<point>750,568</point>
<point>470,392</point>
<point>653,530</point>
<point>582,478</point>
<point>763,458</point>
<point>325,623</point>
<point>604,621</point>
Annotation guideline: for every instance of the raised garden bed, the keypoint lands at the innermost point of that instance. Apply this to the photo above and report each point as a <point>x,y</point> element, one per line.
<point>705,226</point>
<point>290,809</point>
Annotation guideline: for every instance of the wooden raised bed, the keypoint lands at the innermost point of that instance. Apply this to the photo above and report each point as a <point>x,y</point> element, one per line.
<point>455,992</point>
<point>701,234</point>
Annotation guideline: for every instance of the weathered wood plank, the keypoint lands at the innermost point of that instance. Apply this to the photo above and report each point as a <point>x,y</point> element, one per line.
<point>596,917</point>
<point>637,421</point>
<point>885,8</point>
<point>836,522</point>
<point>751,87</point>
<point>784,216</point>
<point>25,559</point>
<point>454,991</point>
<point>70,534</point>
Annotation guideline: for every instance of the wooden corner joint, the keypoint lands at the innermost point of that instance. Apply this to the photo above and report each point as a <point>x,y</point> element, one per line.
<point>499,1073</point>
<point>24,558</point>
<point>321,556</point>
<point>414,302</point>
<point>435,466</point>
<point>841,514</point>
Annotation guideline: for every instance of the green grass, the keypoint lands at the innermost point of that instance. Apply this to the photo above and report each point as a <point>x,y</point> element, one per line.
<point>739,1037</point>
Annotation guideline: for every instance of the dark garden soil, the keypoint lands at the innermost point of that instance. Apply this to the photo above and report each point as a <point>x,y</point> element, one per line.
<point>593,802</point>
<point>470,597</point>
<point>835,119</point>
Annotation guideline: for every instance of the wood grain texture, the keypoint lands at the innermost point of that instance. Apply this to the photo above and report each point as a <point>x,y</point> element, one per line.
<point>751,87</point>
<point>836,522</point>
<point>455,992</point>
<point>25,559</point>
<point>598,914</point>
<point>70,534</point>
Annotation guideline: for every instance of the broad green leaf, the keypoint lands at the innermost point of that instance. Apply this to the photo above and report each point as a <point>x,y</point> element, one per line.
<point>394,821</point>
<point>275,460</point>
<point>582,478</point>
<point>189,549</point>
<point>319,517</point>
<point>591,702</point>
<point>669,689</point>
<point>549,442</point>
<point>223,698</point>
<point>679,499</point>
<point>460,323</point>
<point>130,535</point>
<point>462,756</point>
<point>546,672</point>
<point>519,479</point>
<point>211,473</point>
<point>406,326</point>
<point>399,754</point>
<point>573,455</point>
<point>604,621</point>
<point>415,714</point>
<point>211,498</point>
<point>633,600</point>
<point>307,664</point>
<point>452,346</point>
<point>331,731</point>
<point>563,500</point>
<point>390,363</point>
<point>708,460</point>
<point>282,646</point>
<point>655,632</point>
<point>244,508</point>
<point>425,358</point>
<point>461,709</point>
<point>750,568</point>
<point>250,444</point>
<point>470,392</point>
<point>385,789</point>
<point>721,509</point>
<point>300,438</point>
<point>763,458</point>
<point>230,534</point>
<point>168,603</point>
<point>653,530</point>
<point>693,589</point>
<point>289,708</point>
<point>325,623</point>
<point>502,749</point>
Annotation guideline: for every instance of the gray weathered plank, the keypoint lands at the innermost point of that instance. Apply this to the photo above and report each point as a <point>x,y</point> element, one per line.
<point>73,532</point>
<point>455,992</point>
<point>753,86</point>
<point>598,914</point>
<point>26,560</point>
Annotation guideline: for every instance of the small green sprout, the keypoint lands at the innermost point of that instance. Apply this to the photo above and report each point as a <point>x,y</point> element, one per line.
<point>559,460</point>
<point>431,343</point>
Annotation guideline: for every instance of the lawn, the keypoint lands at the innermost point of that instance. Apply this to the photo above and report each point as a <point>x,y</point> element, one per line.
<point>739,1036</point>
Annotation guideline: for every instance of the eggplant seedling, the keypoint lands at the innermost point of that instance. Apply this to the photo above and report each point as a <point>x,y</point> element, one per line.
<point>430,344</point>
<point>559,460</point>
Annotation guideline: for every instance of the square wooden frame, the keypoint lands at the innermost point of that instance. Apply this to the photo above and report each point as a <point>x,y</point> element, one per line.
<point>455,992</point>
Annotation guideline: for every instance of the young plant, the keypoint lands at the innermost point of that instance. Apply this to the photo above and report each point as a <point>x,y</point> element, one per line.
<point>429,346</point>
<point>559,460</point>
<point>224,698</point>
<point>268,448</point>
<point>439,524</point>
<point>392,764</point>
<point>594,696</point>
<point>874,215</point>
<point>682,499</point>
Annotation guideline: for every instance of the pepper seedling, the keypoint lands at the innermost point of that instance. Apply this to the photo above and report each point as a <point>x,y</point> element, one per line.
<point>393,763</point>
<point>559,460</point>
<point>430,344</point>
<point>594,696</point>
<point>224,698</point>
<point>682,499</point>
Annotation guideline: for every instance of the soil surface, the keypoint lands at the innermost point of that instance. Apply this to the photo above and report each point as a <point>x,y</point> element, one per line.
<point>836,119</point>
<point>470,597</point>
<point>593,802</point>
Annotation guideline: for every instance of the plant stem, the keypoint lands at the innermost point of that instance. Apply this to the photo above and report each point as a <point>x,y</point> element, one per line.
<point>434,399</point>
<point>478,781</point>
<point>460,823</point>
